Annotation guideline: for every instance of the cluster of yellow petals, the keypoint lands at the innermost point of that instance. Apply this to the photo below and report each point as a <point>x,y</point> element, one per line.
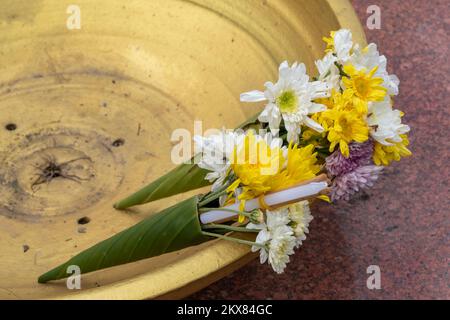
<point>254,163</point>
<point>342,121</point>
<point>363,87</point>
<point>301,165</point>
<point>344,126</point>
<point>260,168</point>
<point>345,118</point>
<point>384,155</point>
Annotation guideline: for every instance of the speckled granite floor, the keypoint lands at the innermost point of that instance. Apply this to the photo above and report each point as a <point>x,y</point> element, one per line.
<point>403,223</point>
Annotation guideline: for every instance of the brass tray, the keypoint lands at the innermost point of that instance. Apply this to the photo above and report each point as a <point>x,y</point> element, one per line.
<point>87,116</point>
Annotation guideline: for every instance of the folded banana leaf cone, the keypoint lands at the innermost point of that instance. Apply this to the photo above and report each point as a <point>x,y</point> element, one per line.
<point>191,222</point>
<point>172,229</point>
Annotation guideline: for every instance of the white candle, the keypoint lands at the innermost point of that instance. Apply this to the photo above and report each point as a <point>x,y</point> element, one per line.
<point>271,199</point>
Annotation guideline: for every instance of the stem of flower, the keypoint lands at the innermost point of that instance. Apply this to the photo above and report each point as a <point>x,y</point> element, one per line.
<point>227,227</point>
<point>341,70</point>
<point>225,209</point>
<point>212,197</point>
<point>249,243</point>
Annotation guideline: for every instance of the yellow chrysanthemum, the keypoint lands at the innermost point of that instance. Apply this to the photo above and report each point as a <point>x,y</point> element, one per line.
<point>301,165</point>
<point>363,86</point>
<point>254,163</point>
<point>344,126</point>
<point>383,155</point>
<point>259,168</point>
<point>338,100</point>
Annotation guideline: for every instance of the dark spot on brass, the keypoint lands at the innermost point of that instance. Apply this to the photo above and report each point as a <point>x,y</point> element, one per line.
<point>84,220</point>
<point>118,142</point>
<point>11,127</point>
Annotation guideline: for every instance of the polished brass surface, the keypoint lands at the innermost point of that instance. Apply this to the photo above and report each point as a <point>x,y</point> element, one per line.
<point>87,116</point>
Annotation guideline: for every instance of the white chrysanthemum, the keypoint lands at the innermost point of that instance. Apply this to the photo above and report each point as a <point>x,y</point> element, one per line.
<point>281,246</point>
<point>341,44</point>
<point>328,72</point>
<point>215,153</point>
<point>277,218</point>
<point>277,239</point>
<point>385,122</point>
<point>368,58</point>
<point>290,99</point>
<point>300,215</point>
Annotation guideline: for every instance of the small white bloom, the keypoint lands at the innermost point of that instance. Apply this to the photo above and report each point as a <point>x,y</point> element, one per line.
<point>300,215</point>
<point>290,99</point>
<point>369,58</point>
<point>281,247</point>
<point>277,218</point>
<point>215,153</point>
<point>385,122</point>
<point>343,44</point>
<point>276,239</point>
<point>328,72</point>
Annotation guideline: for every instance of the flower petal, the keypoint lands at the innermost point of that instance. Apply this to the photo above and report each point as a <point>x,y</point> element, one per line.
<point>316,107</point>
<point>252,96</point>
<point>313,125</point>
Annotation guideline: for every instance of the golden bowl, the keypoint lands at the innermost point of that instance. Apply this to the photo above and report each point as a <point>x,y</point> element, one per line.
<point>89,97</point>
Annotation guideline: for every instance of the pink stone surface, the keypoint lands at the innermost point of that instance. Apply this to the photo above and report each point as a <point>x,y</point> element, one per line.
<point>403,223</point>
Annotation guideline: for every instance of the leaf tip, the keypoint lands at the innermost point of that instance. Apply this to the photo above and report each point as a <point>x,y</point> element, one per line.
<point>43,278</point>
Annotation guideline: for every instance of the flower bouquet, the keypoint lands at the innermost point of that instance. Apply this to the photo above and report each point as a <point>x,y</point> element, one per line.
<point>322,138</point>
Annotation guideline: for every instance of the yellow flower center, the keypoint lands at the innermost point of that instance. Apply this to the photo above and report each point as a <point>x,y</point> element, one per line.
<point>344,126</point>
<point>255,161</point>
<point>362,86</point>
<point>287,101</point>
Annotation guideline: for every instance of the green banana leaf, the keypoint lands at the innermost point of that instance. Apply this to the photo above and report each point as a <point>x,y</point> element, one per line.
<point>172,229</point>
<point>185,177</point>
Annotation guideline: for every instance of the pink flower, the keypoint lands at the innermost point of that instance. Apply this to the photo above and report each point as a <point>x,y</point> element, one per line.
<point>360,155</point>
<point>351,182</point>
